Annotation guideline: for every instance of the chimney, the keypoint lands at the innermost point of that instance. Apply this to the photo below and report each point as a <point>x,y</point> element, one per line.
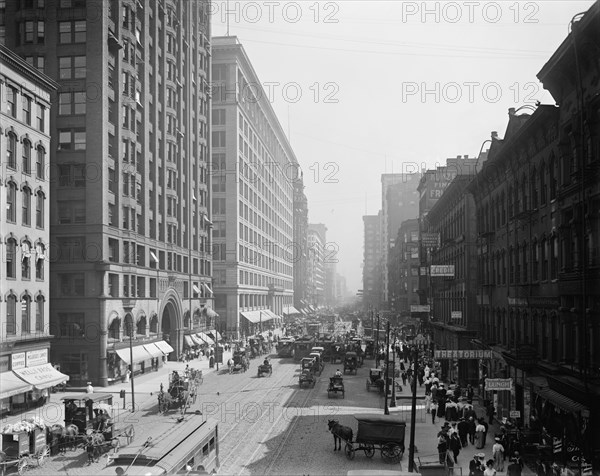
<point>494,135</point>
<point>458,157</point>
<point>466,156</point>
<point>511,111</point>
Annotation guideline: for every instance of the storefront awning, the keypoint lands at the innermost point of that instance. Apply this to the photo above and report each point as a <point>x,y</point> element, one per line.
<point>209,311</point>
<point>253,316</point>
<point>153,350</point>
<point>41,376</point>
<point>270,315</point>
<point>189,341</point>
<point>205,338</point>
<point>139,354</point>
<point>561,401</point>
<point>214,335</point>
<point>164,347</point>
<point>289,310</point>
<point>12,385</point>
<point>196,339</point>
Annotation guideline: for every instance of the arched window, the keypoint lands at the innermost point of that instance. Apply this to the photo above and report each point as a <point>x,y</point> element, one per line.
<point>26,157</point>
<point>11,258</point>
<point>26,206</point>
<point>543,191</point>
<point>40,257</point>
<point>141,326</point>
<point>114,329</point>
<point>534,189</point>
<point>40,199</point>
<point>503,205</point>
<point>11,151</point>
<point>26,314</point>
<point>186,319</point>
<point>11,202</point>
<point>39,313</point>
<point>128,325</point>
<point>40,163</point>
<point>154,324</point>
<point>26,260</point>
<point>11,315</point>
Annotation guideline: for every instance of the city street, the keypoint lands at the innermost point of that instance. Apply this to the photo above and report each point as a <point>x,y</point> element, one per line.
<point>269,425</point>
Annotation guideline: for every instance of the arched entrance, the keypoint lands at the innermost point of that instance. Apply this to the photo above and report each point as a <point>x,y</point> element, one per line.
<point>170,329</point>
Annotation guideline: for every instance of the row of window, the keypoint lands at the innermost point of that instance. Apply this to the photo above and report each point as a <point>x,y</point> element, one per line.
<point>27,257</point>
<point>25,325</point>
<point>24,113</point>
<point>26,153</point>
<point>26,194</point>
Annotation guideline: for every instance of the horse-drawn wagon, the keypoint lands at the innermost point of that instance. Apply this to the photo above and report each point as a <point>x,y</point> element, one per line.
<point>336,386</point>
<point>307,372</point>
<point>351,363</point>
<point>182,390</point>
<point>375,379</point>
<point>241,362</point>
<point>318,365</point>
<point>383,432</point>
<point>265,369</point>
<point>23,445</point>
<point>84,409</point>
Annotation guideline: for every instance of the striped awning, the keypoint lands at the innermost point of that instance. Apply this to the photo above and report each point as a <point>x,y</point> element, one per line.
<point>189,341</point>
<point>561,401</point>
<point>139,354</point>
<point>153,350</point>
<point>288,310</point>
<point>164,347</point>
<point>253,316</point>
<point>42,376</point>
<point>12,385</point>
<point>197,340</point>
<point>205,338</point>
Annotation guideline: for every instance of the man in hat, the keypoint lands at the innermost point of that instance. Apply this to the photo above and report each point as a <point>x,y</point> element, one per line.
<point>442,444</point>
<point>463,431</point>
<point>89,388</point>
<point>514,468</point>
<point>475,468</point>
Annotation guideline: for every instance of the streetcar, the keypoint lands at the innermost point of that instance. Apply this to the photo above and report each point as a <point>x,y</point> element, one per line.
<point>302,347</point>
<point>187,444</point>
<point>285,347</point>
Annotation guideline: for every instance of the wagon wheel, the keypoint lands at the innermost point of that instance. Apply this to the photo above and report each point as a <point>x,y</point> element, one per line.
<point>349,450</point>
<point>369,449</point>
<point>44,452</point>
<point>391,453</point>
<point>22,465</point>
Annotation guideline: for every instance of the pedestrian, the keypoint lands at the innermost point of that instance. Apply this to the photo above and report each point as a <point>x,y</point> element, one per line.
<point>404,378</point>
<point>489,469</point>
<point>490,411</point>
<point>514,468</point>
<point>475,466</point>
<point>434,407</point>
<point>442,446</point>
<point>89,388</point>
<point>463,431</point>
<point>486,426</point>
<point>470,393</point>
<point>479,431</point>
<point>428,403</point>
<point>455,445</point>
<point>518,459</point>
<point>498,455</point>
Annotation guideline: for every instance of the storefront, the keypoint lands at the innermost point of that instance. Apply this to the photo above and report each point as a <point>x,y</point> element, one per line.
<point>146,358</point>
<point>26,385</point>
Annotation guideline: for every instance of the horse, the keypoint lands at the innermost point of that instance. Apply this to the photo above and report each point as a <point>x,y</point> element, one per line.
<point>340,432</point>
<point>94,444</point>
<point>230,365</point>
<point>67,436</point>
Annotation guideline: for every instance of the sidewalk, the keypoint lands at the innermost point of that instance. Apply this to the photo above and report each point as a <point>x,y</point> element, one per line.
<point>146,387</point>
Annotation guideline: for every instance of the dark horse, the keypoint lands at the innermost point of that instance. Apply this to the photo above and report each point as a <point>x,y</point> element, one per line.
<point>340,432</point>
<point>65,436</point>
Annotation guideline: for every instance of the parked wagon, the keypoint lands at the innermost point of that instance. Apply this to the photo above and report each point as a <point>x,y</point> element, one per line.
<point>383,432</point>
<point>351,363</point>
<point>24,445</point>
<point>375,379</point>
<point>336,386</point>
<point>82,410</point>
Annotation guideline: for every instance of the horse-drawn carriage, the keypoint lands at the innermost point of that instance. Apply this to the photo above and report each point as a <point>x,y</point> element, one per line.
<point>318,364</point>
<point>307,372</point>
<point>265,369</point>
<point>375,379</point>
<point>338,351</point>
<point>336,386</point>
<point>351,362</point>
<point>369,348</point>
<point>383,432</point>
<point>241,362</point>
<point>24,445</point>
<point>182,390</point>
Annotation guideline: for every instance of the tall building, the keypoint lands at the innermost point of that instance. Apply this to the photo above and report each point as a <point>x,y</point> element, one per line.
<point>404,270</point>
<point>300,248</point>
<point>400,202</point>
<point>25,330</point>
<point>129,204</point>
<point>253,202</point>
<point>317,256</point>
<point>540,259</point>
<point>371,260</point>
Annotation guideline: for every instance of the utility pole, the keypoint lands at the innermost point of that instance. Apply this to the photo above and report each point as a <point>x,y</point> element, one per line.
<point>386,409</point>
<point>130,326</point>
<point>413,413</point>
<point>393,403</point>
<point>377,343</point>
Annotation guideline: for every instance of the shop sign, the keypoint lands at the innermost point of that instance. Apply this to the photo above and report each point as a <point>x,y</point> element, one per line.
<point>18,361</point>
<point>515,414</point>
<point>463,354</point>
<point>419,308</point>
<point>430,240</point>
<point>456,315</point>
<point>498,384</point>
<point>37,357</point>
<point>443,270</point>
<point>4,363</point>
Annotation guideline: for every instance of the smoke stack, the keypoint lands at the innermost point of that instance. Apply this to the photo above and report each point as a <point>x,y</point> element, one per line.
<point>466,156</point>
<point>458,157</point>
<point>511,111</point>
<point>494,135</point>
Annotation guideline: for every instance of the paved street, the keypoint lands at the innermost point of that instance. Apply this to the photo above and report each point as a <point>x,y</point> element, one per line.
<point>271,426</point>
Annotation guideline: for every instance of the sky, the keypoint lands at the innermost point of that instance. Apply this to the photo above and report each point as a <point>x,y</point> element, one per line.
<point>370,87</point>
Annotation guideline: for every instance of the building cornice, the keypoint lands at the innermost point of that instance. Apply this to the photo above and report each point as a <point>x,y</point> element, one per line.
<point>14,61</point>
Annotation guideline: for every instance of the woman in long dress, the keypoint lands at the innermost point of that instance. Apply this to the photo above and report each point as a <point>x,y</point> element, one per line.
<point>479,432</point>
<point>498,454</point>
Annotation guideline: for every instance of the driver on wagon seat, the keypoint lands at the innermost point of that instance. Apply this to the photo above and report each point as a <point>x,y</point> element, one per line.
<point>338,373</point>
<point>266,362</point>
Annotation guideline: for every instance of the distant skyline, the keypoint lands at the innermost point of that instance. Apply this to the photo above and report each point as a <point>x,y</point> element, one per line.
<point>364,88</point>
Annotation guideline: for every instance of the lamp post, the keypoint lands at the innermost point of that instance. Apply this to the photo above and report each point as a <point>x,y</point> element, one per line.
<point>393,402</point>
<point>130,330</point>
<point>377,343</point>
<point>413,412</point>
<point>386,409</point>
